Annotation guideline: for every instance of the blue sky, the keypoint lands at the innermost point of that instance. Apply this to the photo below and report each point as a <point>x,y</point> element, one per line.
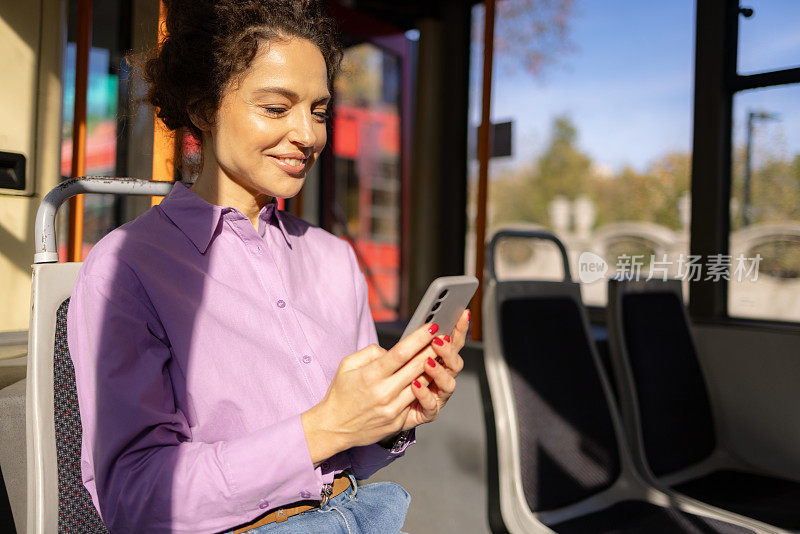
<point>628,83</point>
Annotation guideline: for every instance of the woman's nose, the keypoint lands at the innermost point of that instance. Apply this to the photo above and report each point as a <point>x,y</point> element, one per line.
<point>302,131</point>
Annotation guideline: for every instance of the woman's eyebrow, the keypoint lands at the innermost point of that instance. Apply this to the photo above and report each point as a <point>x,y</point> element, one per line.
<point>288,93</point>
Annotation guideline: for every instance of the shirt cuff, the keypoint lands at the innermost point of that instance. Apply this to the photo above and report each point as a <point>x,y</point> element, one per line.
<point>272,467</point>
<point>366,460</point>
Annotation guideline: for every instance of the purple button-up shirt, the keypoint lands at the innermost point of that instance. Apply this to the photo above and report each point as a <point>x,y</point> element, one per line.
<point>198,341</point>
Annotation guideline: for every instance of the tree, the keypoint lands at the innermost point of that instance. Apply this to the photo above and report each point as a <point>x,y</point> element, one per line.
<point>651,196</point>
<point>774,184</point>
<point>531,34</point>
<point>562,170</point>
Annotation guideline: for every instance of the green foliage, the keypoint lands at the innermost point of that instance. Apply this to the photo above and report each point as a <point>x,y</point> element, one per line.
<point>654,195</point>
<point>564,170</point>
<point>774,189</point>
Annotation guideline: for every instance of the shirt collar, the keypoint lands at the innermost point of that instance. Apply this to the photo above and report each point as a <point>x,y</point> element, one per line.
<point>199,219</point>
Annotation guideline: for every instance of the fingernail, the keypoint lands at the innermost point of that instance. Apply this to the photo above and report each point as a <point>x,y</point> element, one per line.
<point>433,329</point>
<point>447,338</point>
<point>431,362</point>
<point>438,341</point>
<point>417,384</point>
<point>469,314</point>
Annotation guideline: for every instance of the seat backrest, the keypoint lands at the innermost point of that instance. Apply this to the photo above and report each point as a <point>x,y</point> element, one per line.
<point>666,411</point>
<point>566,436</point>
<point>555,440</point>
<point>57,499</point>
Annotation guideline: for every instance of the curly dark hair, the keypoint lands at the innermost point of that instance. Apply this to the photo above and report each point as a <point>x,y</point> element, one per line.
<point>209,42</point>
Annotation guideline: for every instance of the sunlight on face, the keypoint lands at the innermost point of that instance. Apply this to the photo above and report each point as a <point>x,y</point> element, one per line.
<point>271,126</point>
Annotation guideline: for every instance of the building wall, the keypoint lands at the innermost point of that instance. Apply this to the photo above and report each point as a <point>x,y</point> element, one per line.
<point>31,43</point>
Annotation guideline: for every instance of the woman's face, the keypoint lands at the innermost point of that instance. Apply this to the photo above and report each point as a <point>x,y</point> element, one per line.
<point>270,127</point>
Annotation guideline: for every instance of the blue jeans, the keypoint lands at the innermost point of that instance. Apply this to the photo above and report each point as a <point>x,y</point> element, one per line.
<point>378,508</point>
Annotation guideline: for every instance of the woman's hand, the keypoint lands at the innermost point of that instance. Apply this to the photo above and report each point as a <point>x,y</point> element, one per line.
<point>370,396</point>
<point>434,389</point>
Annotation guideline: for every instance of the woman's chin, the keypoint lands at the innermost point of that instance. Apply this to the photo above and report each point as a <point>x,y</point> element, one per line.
<point>289,190</point>
<point>283,187</point>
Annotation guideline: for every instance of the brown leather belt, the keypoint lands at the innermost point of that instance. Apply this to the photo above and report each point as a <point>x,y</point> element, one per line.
<point>340,483</point>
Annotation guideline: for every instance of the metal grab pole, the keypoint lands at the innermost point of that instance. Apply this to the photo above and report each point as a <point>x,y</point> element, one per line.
<point>747,210</point>
<point>747,163</point>
<point>484,153</point>
<point>82,46</point>
<point>45,225</point>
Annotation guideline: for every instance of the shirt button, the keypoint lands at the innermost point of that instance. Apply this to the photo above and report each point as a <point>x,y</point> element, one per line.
<point>305,494</point>
<point>263,504</point>
<point>258,247</point>
<point>306,358</point>
<point>281,304</point>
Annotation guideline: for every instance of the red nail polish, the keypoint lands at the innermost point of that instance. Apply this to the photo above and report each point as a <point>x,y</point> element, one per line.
<point>447,338</point>
<point>434,328</point>
<point>417,384</point>
<point>438,341</point>
<point>431,362</point>
<point>469,314</point>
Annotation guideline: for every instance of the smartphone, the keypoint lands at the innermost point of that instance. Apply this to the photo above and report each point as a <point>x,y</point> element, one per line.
<point>443,303</point>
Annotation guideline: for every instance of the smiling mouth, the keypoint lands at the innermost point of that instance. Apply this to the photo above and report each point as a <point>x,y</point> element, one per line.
<point>291,161</point>
<point>291,165</point>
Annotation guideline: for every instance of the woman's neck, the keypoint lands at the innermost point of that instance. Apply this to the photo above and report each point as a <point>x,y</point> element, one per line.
<point>215,187</point>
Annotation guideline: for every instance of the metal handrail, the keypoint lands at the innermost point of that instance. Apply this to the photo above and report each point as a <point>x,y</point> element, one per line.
<point>529,234</point>
<point>45,227</point>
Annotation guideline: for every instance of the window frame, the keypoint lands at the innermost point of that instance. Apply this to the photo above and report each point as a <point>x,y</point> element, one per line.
<point>716,82</point>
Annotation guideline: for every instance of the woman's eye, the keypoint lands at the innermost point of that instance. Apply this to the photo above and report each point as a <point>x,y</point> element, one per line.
<point>322,116</point>
<point>274,111</point>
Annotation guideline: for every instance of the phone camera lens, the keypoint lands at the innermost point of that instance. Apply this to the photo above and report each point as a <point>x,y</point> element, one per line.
<point>444,293</point>
<point>436,306</point>
<point>429,319</point>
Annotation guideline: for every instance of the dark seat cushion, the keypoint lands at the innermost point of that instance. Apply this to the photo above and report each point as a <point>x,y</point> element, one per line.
<point>641,517</point>
<point>772,500</point>
<point>568,449</point>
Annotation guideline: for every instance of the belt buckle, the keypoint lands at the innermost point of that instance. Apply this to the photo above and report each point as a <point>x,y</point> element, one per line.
<point>327,491</point>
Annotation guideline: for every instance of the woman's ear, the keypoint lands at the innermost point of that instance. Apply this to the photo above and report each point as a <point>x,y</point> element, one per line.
<point>199,120</point>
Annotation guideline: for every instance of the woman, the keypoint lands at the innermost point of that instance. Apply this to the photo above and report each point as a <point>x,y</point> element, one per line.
<point>226,361</point>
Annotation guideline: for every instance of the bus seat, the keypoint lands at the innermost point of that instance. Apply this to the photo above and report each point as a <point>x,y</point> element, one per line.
<point>666,410</point>
<point>557,458</point>
<point>57,501</point>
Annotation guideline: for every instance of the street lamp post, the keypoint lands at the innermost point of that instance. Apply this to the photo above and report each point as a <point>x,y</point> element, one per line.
<point>752,116</point>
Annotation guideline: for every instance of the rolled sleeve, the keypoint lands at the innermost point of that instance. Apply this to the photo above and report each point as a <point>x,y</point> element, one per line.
<point>139,462</point>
